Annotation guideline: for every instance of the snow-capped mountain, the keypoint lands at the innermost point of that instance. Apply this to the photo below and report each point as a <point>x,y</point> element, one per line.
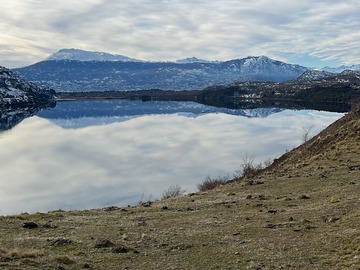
<point>81,55</point>
<point>263,68</point>
<point>15,91</point>
<point>311,75</point>
<point>341,68</point>
<point>65,74</point>
<point>193,60</point>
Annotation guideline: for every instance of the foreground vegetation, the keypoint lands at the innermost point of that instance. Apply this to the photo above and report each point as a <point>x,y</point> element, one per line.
<point>302,212</point>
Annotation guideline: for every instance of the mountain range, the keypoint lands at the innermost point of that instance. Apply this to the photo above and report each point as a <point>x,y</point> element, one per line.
<point>72,70</point>
<point>340,68</point>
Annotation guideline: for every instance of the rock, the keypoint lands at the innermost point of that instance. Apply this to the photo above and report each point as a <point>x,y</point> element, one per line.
<point>188,209</point>
<point>182,246</point>
<point>60,241</point>
<point>304,197</point>
<point>111,208</point>
<point>271,211</point>
<point>270,226</point>
<point>305,221</point>
<point>49,225</point>
<point>249,183</point>
<point>104,244</point>
<point>354,168</point>
<point>120,249</point>
<point>146,204</point>
<point>330,219</point>
<point>30,225</point>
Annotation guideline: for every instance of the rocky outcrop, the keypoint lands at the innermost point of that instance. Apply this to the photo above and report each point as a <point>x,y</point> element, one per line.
<point>16,92</point>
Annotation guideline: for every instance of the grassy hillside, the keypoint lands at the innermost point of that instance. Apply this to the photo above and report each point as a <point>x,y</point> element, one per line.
<point>303,212</point>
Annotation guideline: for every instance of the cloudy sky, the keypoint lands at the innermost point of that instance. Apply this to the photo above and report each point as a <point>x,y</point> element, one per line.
<point>307,32</point>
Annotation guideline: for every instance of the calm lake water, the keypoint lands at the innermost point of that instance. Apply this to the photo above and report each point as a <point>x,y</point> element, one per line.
<point>87,154</point>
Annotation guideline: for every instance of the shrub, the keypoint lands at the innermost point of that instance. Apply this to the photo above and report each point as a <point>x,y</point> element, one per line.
<point>211,183</point>
<point>173,191</point>
<point>248,168</point>
<point>142,200</point>
<point>306,133</point>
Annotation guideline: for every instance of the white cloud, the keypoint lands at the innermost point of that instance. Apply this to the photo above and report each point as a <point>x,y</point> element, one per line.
<point>168,30</point>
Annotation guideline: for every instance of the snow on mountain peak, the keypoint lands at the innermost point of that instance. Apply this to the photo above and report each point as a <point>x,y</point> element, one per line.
<point>341,68</point>
<point>192,60</point>
<point>81,55</point>
<point>255,60</point>
<point>313,74</point>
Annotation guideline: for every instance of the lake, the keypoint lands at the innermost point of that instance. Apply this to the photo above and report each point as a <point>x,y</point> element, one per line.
<point>89,154</point>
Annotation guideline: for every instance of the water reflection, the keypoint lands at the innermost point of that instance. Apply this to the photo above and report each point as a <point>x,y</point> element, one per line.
<point>10,118</point>
<point>70,114</point>
<point>45,166</point>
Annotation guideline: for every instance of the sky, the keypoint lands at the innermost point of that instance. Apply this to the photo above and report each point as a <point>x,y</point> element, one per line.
<point>312,33</point>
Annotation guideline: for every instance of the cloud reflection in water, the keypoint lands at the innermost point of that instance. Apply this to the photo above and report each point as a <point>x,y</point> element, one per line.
<point>44,166</point>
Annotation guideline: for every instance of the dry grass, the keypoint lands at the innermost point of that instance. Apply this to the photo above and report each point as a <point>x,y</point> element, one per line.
<point>304,215</point>
<point>18,253</point>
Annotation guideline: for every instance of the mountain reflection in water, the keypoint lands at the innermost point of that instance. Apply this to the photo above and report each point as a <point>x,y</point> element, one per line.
<point>87,154</point>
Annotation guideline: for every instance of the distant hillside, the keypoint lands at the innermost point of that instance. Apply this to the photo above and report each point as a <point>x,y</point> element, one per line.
<point>77,71</point>
<point>312,86</point>
<point>15,91</point>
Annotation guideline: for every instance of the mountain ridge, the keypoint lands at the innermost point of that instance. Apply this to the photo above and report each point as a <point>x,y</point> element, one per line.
<point>69,75</point>
<point>341,68</point>
<point>82,55</point>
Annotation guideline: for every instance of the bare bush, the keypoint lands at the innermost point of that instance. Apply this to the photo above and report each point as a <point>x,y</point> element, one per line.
<point>173,191</point>
<point>211,183</point>
<point>248,168</point>
<point>306,133</point>
<point>142,200</point>
<point>268,162</point>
